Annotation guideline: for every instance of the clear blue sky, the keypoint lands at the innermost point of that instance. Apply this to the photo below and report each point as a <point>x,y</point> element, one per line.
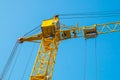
<point>19,16</point>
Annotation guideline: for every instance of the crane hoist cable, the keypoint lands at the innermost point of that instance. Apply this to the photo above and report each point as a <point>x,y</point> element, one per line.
<point>10,59</point>
<point>85,60</point>
<point>96,59</point>
<point>16,58</point>
<point>28,62</point>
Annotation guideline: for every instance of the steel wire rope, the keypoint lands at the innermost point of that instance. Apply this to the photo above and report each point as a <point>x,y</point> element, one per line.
<point>92,13</point>
<point>7,65</point>
<point>33,32</point>
<point>26,34</point>
<point>11,71</point>
<point>85,60</point>
<point>96,60</point>
<point>88,17</point>
<point>28,62</point>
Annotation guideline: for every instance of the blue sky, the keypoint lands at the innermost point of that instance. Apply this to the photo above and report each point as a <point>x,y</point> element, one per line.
<point>19,16</point>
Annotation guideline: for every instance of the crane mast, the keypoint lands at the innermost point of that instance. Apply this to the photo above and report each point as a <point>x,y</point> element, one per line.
<point>45,60</point>
<point>46,57</point>
<point>52,34</point>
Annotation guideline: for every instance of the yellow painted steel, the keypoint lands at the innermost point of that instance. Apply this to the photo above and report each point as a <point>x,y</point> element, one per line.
<point>49,27</point>
<point>46,57</point>
<point>47,23</point>
<point>50,38</point>
<point>45,60</point>
<point>32,38</point>
<point>76,32</point>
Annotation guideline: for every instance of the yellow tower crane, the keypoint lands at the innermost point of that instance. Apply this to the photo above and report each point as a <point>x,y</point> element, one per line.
<point>50,37</point>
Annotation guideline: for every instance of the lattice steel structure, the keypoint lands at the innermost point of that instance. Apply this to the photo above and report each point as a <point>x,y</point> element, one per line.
<point>52,34</point>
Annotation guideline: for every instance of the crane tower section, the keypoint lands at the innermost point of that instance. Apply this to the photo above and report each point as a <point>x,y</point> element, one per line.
<point>45,60</point>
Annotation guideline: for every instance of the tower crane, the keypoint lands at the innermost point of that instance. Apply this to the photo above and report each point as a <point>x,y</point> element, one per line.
<point>51,36</point>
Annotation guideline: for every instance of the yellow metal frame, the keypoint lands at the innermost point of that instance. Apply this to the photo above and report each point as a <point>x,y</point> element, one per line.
<point>46,57</point>
<point>45,60</point>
